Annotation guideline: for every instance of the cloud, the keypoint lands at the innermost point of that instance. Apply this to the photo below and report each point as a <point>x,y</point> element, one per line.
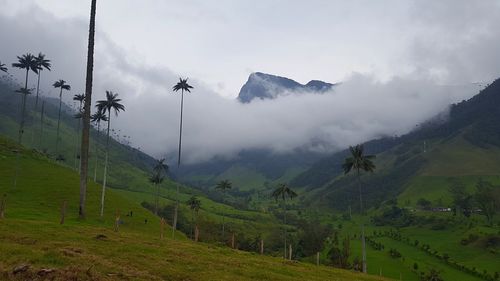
<point>361,108</point>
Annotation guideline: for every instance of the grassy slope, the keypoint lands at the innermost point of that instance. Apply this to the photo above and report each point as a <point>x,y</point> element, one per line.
<point>31,234</point>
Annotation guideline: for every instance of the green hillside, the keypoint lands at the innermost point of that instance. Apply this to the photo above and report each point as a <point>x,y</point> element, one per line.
<point>30,234</point>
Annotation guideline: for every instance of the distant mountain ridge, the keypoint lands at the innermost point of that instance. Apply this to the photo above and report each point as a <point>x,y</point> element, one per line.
<point>266,86</point>
<point>465,144</point>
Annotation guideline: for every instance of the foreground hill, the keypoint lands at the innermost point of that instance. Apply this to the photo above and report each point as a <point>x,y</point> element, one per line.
<point>35,246</point>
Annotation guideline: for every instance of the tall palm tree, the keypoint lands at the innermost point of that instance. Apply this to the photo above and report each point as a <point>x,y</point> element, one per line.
<point>41,63</point>
<point>27,62</point>
<point>283,192</point>
<point>182,85</point>
<point>24,92</point>
<point>223,186</point>
<point>84,154</point>
<point>195,205</point>
<point>97,118</point>
<point>79,98</point>
<point>156,179</point>
<point>112,102</point>
<point>359,162</point>
<point>159,171</point>
<point>63,86</point>
<point>3,68</point>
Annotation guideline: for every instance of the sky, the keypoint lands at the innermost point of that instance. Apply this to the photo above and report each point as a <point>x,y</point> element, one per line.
<point>400,62</point>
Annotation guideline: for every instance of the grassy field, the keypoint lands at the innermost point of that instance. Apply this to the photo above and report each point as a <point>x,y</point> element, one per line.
<point>91,250</point>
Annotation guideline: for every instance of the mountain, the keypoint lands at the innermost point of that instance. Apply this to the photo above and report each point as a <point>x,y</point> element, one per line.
<point>267,86</point>
<point>463,146</point>
<point>256,169</point>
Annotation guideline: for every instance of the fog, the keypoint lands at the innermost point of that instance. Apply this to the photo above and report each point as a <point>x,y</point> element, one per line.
<point>446,52</point>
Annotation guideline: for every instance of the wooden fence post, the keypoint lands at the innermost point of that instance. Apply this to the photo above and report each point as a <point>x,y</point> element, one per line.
<point>117,221</point>
<point>2,206</point>
<point>261,246</point>
<point>63,211</point>
<point>162,227</point>
<point>196,233</point>
<point>317,258</point>
<point>290,251</point>
<point>232,241</point>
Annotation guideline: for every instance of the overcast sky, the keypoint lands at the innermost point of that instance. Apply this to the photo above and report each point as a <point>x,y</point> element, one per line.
<point>396,56</point>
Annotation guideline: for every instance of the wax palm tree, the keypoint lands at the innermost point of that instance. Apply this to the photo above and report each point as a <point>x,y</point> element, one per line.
<point>112,102</point>
<point>3,68</point>
<point>182,85</point>
<point>159,171</point>
<point>41,63</point>
<point>283,192</point>
<point>84,154</point>
<point>156,179</point>
<point>223,186</point>
<point>195,205</point>
<point>97,118</point>
<point>359,162</point>
<point>61,84</point>
<point>79,98</point>
<point>27,62</point>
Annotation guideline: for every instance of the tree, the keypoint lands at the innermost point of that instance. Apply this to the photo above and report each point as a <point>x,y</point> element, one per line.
<point>159,171</point>
<point>432,275</point>
<point>79,98</point>
<point>156,180</point>
<point>112,102</point>
<point>283,192</point>
<point>97,118</point>
<point>462,200</point>
<point>84,154</point>
<point>358,162</point>
<point>41,63</point>
<point>27,62</point>
<point>182,85</point>
<point>3,68</point>
<point>61,84</point>
<point>194,204</point>
<point>223,186</point>
<point>487,197</point>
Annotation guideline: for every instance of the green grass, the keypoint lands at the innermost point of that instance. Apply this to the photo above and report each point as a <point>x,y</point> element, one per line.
<point>31,234</point>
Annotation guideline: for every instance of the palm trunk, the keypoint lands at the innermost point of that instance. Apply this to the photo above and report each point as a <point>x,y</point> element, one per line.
<point>21,128</point>
<point>37,89</point>
<point>58,123</point>
<point>192,224</point>
<point>174,225</point>
<point>363,241</point>
<point>41,126</point>
<point>96,150</point>
<point>180,130</point>
<point>36,107</point>
<point>84,154</point>
<point>284,226</point>
<point>105,166</point>
<point>79,120</point>
<point>223,217</point>
<point>21,125</point>
<point>178,165</point>
<point>157,197</point>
